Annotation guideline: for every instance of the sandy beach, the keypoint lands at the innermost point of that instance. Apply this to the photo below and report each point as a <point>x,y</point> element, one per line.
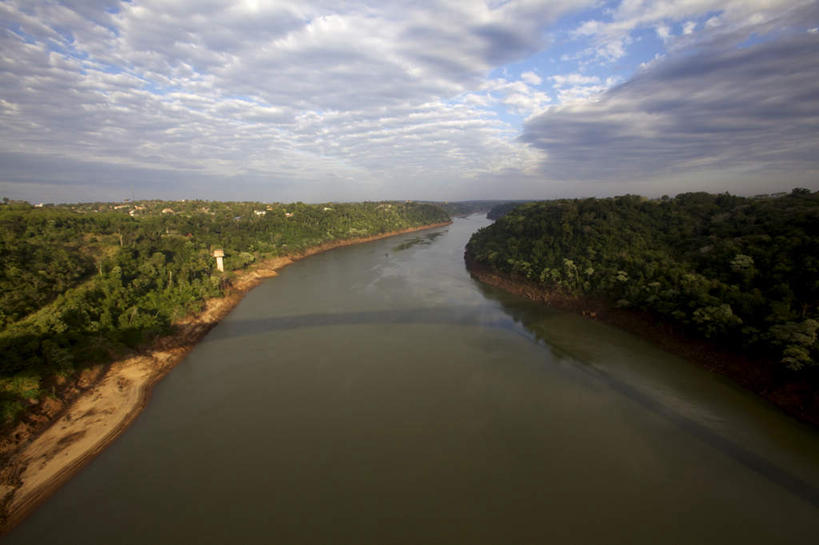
<point>106,400</point>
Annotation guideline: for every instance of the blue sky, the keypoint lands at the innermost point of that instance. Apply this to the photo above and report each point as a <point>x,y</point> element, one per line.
<point>320,101</point>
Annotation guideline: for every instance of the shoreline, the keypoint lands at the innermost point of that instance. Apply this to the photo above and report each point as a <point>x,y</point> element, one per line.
<point>764,378</point>
<point>106,400</point>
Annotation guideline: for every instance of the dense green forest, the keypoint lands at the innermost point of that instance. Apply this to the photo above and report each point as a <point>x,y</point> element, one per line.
<point>81,283</point>
<point>500,210</point>
<point>465,208</point>
<point>742,272</point>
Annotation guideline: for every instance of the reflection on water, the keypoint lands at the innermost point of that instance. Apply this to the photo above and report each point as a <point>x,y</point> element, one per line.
<point>529,317</point>
<point>609,355</point>
<point>378,394</point>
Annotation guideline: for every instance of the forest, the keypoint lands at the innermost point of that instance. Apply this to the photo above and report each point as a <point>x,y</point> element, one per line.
<point>740,272</point>
<point>82,284</point>
<point>465,208</point>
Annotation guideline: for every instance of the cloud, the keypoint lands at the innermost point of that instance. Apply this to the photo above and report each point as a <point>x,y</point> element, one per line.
<point>663,32</point>
<point>288,90</point>
<point>375,99</point>
<point>611,35</point>
<point>579,88</point>
<point>531,78</point>
<point>754,109</point>
<point>518,96</point>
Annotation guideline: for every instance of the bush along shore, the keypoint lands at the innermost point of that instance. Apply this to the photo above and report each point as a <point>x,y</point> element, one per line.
<point>730,282</point>
<point>107,297</point>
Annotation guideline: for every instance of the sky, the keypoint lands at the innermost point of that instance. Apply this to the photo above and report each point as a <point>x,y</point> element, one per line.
<point>316,101</point>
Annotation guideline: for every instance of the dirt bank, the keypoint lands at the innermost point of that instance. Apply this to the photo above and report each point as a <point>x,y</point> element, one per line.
<point>797,396</point>
<point>65,434</point>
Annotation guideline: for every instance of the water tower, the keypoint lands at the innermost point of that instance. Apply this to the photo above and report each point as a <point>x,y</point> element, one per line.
<point>219,255</point>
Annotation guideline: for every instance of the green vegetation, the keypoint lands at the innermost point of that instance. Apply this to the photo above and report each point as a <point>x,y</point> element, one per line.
<point>497,212</point>
<point>743,272</point>
<point>81,283</point>
<point>465,208</point>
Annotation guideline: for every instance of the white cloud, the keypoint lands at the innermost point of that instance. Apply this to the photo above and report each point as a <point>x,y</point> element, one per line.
<point>291,90</point>
<point>611,37</point>
<point>531,78</point>
<point>574,79</point>
<point>577,88</point>
<point>713,22</point>
<point>517,95</point>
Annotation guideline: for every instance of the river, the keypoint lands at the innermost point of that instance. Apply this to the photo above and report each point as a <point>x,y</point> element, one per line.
<point>377,394</point>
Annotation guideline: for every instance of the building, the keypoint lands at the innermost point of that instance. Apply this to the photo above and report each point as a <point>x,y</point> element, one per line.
<point>219,255</point>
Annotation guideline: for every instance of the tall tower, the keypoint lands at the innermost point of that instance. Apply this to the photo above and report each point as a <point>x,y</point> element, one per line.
<point>219,255</point>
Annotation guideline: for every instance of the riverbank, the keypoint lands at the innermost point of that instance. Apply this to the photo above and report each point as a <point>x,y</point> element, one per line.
<point>102,402</point>
<point>798,398</point>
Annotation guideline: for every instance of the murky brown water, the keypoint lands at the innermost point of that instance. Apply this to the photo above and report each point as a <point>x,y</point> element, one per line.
<point>377,394</point>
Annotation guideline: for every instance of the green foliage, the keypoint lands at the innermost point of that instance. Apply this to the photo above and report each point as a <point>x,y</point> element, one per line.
<point>739,271</point>
<point>797,338</point>
<point>41,255</point>
<point>80,283</point>
<point>501,209</point>
<point>14,393</point>
<point>465,208</point>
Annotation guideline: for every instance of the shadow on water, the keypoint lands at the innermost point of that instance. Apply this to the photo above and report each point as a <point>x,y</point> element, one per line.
<point>520,317</point>
<point>451,315</point>
<point>527,313</point>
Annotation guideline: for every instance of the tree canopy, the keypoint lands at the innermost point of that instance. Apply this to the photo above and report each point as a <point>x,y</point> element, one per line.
<point>81,283</point>
<point>739,271</point>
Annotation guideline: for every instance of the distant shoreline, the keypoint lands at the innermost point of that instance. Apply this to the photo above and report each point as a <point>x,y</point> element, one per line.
<point>117,394</point>
<point>764,378</point>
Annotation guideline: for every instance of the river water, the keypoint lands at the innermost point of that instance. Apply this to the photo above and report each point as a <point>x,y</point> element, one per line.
<point>377,394</point>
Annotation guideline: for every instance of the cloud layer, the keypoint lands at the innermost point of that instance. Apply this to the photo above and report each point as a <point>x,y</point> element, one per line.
<point>291,91</point>
<point>312,101</point>
<point>751,108</point>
